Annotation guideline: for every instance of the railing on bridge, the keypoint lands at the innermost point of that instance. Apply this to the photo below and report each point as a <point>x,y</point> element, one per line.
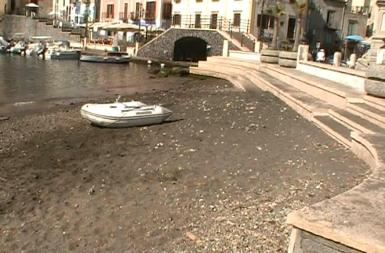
<point>236,28</point>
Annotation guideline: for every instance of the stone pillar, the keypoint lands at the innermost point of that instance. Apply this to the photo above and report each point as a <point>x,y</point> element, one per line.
<point>303,51</point>
<point>380,56</point>
<point>375,82</point>
<point>136,48</point>
<point>257,47</point>
<point>352,60</point>
<point>379,28</point>
<point>337,59</point>
<point>225,50</point>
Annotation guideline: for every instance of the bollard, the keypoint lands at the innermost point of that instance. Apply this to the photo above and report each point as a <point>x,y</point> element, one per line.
<point>380,59</point>
<point>352,60</point>
<point>337,59</point>
<point>225,51</point>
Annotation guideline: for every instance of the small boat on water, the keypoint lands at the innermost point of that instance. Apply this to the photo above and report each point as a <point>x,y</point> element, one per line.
<point>65,54</point>
<point>111,57</point>
<point>125,114</point>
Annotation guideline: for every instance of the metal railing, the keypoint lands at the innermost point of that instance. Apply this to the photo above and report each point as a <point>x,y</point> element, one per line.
<point>124,17</point>
<point>238,30</point>
<point>211,22</point>
<point>364,10</point>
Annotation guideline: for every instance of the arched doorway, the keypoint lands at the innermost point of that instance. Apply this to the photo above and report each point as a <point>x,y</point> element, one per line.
<point>190,49</point>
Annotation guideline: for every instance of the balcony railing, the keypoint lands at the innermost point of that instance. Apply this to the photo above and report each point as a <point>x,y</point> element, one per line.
<point>210,22</point>
<point>238,30</point>
<point>107,16</point>
<point>364,10</point>
<point>124,17</point>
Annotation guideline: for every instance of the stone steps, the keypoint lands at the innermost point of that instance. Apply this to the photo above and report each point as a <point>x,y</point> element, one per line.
<point>376,102</point>
<point>368,112</point>
<point>315,86</point>
<point>335,129</point>
<point>355,122</point>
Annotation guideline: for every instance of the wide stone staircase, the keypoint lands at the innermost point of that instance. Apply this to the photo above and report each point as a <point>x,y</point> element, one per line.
<point>353,221</point>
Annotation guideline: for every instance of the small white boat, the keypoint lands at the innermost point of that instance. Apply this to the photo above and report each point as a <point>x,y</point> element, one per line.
<point>128,114</point>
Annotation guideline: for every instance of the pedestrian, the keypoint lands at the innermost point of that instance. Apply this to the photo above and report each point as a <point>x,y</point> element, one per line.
<point>321,56</point>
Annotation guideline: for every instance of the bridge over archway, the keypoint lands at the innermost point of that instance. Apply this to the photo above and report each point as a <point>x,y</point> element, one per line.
<point>184,44</point>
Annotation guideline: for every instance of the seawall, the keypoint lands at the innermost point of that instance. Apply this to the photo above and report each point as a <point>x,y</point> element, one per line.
<point>12,24</point>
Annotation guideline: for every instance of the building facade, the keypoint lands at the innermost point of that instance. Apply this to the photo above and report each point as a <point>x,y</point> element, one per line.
<point>213,14</point>
<point>156,13</point>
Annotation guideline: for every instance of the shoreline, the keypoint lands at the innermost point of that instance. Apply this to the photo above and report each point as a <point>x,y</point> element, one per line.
<point>223,177</point>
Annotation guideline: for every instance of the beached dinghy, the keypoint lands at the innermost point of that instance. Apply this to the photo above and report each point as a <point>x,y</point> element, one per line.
<point>124,114</point>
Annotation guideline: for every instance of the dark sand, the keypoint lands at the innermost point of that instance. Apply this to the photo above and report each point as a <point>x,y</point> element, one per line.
<point>222,178</point>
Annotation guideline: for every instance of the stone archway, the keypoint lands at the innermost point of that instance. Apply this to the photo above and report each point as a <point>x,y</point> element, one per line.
<point>190,49</point>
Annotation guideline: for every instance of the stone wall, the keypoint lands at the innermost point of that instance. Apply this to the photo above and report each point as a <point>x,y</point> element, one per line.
<point>310,243</point>
<point>162,47</point>
<point>12,24</point>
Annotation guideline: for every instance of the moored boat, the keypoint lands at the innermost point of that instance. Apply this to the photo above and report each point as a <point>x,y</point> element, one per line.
<point>65,54</point>
<point>111,57</point>
<point>128,114</point>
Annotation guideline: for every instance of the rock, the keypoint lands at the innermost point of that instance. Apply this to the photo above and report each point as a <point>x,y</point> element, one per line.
<point>4,118</point>
<point>191,236</point>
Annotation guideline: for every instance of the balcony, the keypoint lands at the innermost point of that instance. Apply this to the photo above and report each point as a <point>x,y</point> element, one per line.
<point>363,10</point>
<point>124,17</point>
<point>106,17</point>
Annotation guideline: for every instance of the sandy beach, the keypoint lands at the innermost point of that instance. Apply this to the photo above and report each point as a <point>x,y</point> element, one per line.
<point>220,176</point>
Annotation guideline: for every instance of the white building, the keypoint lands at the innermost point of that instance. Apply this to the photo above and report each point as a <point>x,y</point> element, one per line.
<point>67,10</point>
<point>156,13</point>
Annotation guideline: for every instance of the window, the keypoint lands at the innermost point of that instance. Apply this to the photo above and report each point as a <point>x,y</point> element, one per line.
<point>198,20</point>
<point>138,11</point>
<point>167,10</point>
<point>291,28</point>
<point>267,21</point>
<point>150,10</point>
<point>330,18</point>
<point>110,11</point>
<point>352,27</point>
<point>177,19</point>
<point>237,19</point>
<point>125,13</point>
<point>213,21</point>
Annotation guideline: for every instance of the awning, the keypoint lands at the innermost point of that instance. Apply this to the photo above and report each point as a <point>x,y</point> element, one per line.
<point>123,26</point>
<point>54,13</point>
<point>356,38</point>
<point>32,5</point>
<point>99,24</point>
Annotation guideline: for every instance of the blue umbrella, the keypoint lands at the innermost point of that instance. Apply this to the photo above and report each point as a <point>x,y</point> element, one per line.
<point>356,38</point>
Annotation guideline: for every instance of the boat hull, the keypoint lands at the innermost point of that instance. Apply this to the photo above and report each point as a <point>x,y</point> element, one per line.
<point>105,59</point>
<point>116,122</point>
<point>65,55</point>
<point>126,114</point>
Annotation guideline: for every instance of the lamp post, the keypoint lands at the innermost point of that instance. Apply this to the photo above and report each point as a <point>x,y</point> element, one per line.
<point>260,32</point>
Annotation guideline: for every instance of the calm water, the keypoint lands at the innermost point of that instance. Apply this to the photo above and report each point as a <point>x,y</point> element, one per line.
<point>25,79</point>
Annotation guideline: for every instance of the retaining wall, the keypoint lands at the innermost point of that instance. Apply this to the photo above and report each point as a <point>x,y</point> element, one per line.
<point>348,77</point>
<point>162,47</point>
<point>12,24</point>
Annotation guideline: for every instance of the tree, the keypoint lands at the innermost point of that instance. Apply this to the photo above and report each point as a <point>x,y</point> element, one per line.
<point>300,7</point>
<point>276,10</point>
